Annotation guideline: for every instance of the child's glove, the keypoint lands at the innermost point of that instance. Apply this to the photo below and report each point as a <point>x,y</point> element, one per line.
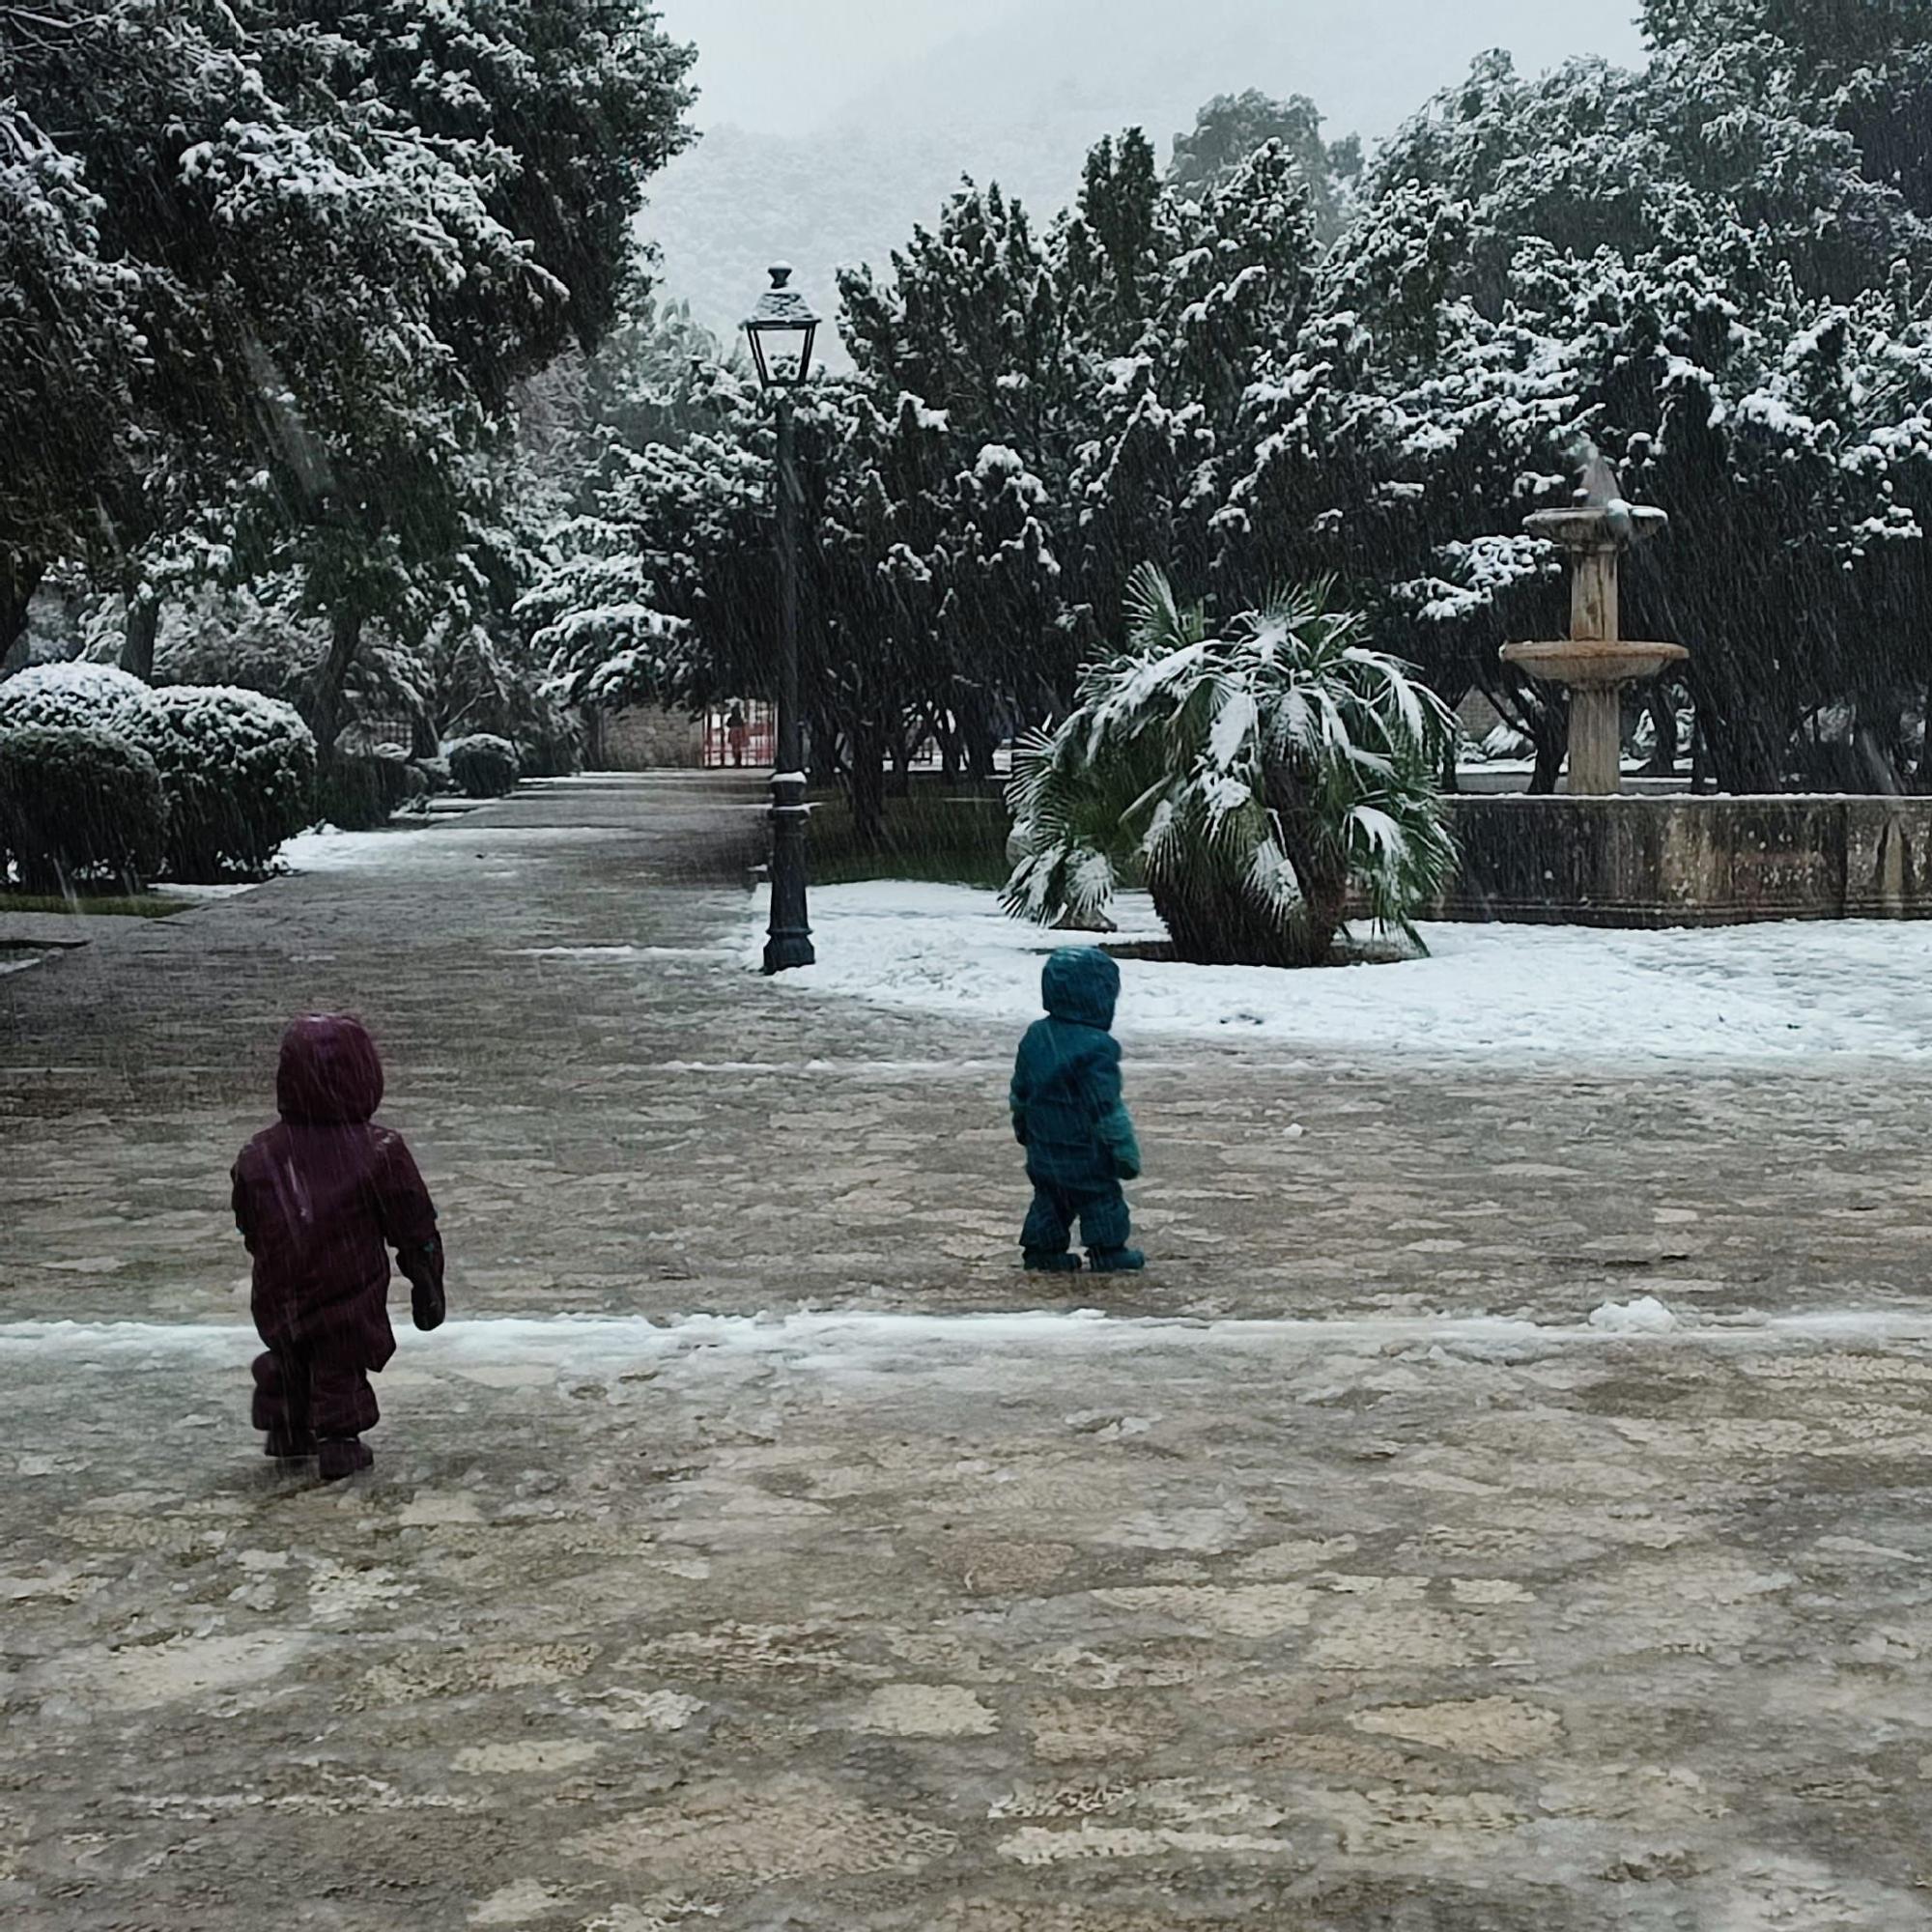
<point>424,1270</point>
<point>426,1304</point>
<point>1127,1163</point>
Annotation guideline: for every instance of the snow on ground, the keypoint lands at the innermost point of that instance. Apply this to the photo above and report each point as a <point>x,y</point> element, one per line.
<point>427,844</point>
<point>326,849</point>
<point>864,1340</point>
<point>197,894</point>
<point>1576,993</point>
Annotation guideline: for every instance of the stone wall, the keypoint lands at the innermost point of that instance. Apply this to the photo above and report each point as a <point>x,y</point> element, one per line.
<point>1684,861</point>
<point>645,739</point>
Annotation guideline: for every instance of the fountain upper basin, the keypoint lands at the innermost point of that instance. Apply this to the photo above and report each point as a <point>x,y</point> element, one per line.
<point>1598,525</point>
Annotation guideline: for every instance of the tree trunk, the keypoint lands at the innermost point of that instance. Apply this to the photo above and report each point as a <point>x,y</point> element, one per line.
<point>865,783</point>
<point>424,741</point>
<point>822,747</point>
<point>976,728</point>
<point>138,646</point>
<point>1878,743</point>
<point>324,704</point>
<point>1747,730</point>
<point>1214,917</point>
<point>901,754</point>
<point>1321,866</point>
<point>1663,722</point>
<point>19,579</point>
<point>1549,730</point>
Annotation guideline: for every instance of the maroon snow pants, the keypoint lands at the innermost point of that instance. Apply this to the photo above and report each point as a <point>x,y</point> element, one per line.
<point>300,1396</point>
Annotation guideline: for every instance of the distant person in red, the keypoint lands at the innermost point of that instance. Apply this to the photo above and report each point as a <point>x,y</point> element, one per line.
<point>737,734</point>
<point>320,1199</point>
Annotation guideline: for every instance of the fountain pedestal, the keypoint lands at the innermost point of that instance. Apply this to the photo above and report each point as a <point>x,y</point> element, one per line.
<point>1595,662</point>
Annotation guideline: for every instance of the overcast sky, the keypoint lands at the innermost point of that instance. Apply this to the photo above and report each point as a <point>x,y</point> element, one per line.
<point>789,66</point>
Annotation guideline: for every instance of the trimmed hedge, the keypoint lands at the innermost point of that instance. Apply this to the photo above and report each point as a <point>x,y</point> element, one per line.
<point>550,748</point>
<point>360,791</point>
<point>80,809</point>
<point>434,773</point>
<point>81,698</point>
<point>484,766</point>
<point>239,770</point>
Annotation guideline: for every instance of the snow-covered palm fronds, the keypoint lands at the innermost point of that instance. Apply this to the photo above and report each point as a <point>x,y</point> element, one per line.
<point>1258,780</point>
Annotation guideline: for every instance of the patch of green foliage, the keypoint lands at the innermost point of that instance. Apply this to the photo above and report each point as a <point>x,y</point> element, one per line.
<point>110,905</point>
<point>946,834</point>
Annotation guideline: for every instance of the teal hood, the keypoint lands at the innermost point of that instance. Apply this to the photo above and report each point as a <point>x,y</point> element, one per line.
<point>1082,985</point>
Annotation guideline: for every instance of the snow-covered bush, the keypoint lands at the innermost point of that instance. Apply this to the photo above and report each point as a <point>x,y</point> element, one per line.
<point>80,809</point>
<point>484,766</point>
<point>552,747</point>
<point>239,771</point>
<point>1257,779</point>
<point>359,791</point>
<point>81,698</point>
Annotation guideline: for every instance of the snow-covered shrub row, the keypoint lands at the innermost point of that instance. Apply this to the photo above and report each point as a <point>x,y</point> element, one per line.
<point>80,809</point>
<point>484,766</point>
<point>81,696</point>
<point>239,771</point>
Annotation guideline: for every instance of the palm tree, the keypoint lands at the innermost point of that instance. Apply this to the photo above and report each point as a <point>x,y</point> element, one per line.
<point>1258,781</point>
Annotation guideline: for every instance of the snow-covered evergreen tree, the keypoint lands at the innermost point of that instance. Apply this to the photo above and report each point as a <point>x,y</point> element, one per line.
<point>338,237</point>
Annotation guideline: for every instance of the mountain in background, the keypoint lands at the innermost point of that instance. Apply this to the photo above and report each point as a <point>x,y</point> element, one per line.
<point>1021,101</point>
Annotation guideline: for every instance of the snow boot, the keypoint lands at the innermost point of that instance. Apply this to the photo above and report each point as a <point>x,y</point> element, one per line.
<point>1117,1261</point>
<point>341,1455</point>
<point>286,1445</point>
<point>1037,1263</point>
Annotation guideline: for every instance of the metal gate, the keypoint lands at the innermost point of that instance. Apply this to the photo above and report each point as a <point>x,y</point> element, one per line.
<point>758,738</point>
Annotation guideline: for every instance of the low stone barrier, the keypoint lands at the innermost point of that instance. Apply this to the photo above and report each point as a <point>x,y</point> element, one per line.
<point>1690,861</point>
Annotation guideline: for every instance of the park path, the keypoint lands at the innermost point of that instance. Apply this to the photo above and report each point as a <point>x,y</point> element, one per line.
<point>898,1619</point>
<point>618,1117</point>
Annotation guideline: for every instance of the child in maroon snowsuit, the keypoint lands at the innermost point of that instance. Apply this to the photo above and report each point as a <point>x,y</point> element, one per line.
<point>319,1198</point>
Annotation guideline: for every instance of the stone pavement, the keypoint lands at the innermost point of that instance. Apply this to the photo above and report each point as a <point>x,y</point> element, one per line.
<point>1378,1617</point>
<point>616,1116</point>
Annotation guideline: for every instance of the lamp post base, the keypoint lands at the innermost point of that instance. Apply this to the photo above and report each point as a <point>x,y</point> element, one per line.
<point>786,951</point>
<point>789,944</point>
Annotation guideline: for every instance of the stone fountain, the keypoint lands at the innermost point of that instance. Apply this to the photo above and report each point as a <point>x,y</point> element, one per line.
<point>1593,858</point>
<point>1595,662</point>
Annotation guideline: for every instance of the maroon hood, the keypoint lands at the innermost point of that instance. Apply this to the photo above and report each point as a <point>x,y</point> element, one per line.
<point>331,1073</point>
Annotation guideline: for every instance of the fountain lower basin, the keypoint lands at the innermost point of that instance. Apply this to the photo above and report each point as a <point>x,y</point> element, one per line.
<point>1594,664</point>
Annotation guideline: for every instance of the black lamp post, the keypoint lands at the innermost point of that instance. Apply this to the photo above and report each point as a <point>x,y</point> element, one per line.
<point>781,329</point>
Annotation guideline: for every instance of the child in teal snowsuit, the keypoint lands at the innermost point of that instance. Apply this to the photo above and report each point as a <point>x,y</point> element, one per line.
<point>1069,1117</point>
